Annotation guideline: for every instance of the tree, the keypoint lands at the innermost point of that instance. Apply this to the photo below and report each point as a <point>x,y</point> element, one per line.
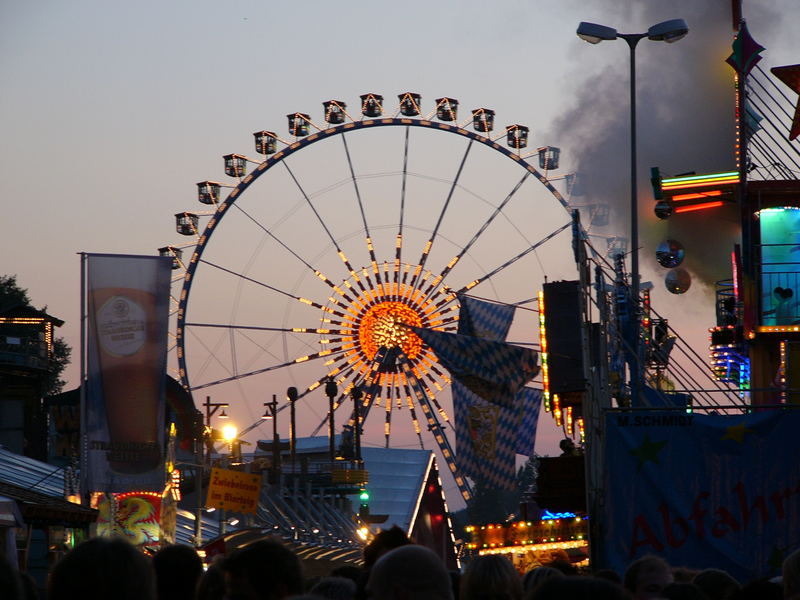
<point>491,505</point>
<point>11,295</point>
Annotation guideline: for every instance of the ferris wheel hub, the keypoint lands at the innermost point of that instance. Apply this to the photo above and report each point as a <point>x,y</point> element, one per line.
<point>387,324</point>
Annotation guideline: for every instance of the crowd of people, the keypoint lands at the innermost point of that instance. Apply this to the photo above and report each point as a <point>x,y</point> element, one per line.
<point>393,569</point>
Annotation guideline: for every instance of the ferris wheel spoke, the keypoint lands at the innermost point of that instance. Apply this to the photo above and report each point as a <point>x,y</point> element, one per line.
<point>212,353</point>
<point>398,246</point>
<point>279,291</point>
<point>426,250</point>
<point>316,272</point>
<point>308,357</point>
<point>387,423</point>
<point>370,248</point>
<point>257,328</point>
<point>333,240</point>
<point>413,412</point>
<point>436,429</point>
<point>511,261</point>
<point>481,230</point>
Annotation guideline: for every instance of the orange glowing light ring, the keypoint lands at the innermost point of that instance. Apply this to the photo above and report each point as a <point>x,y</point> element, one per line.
<point>703,206</point>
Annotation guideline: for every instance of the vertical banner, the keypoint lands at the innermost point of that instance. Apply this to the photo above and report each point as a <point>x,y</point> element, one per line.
<point>489,436</point>
<point>702,491</point>
<point>127,313</point>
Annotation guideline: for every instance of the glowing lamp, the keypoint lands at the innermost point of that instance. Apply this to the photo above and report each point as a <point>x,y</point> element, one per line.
<point>235,165</point>
<point>266,142</point>
<point>483,120</point>
<point>409,104</point>
<point>372,105</point>
<point>298,124</point>
<point>548,157</point>
<point>208,192</point>
<point>334,111</point>
<point>175,253</point>
<point>229,433</point>
<point>446,109</point>
<point>186,223</point>
<point>517,136</point>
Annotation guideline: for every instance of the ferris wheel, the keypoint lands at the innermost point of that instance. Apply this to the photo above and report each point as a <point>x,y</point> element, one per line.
<point>311,262</point>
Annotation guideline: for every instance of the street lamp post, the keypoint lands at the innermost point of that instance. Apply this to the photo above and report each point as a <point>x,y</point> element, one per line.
<point>204,439</point>
<point>291,394</point>
<point>271,412</point>
<point>667,31</point>
<point>357,393</point>
<point>229,434</point>
<point>331,390</point>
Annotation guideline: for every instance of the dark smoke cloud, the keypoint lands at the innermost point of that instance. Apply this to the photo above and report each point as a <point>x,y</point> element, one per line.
<point>685,115</point>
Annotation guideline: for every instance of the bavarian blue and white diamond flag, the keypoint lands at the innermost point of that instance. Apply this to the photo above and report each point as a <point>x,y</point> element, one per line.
<point>487,320</point>
<point>530,402</point>
<point>494,371</point>
<point>489,436</point>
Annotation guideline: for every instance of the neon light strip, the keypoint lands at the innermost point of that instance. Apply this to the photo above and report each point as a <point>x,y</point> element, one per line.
<point>697,196</point>
<point>694,185</point>
<point>543,354</point>
<point>703,206</point>
<point>708,177</point>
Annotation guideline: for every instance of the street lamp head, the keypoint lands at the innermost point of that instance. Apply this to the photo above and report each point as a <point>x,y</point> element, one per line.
<point>668,31</point>
<point>594,33</point>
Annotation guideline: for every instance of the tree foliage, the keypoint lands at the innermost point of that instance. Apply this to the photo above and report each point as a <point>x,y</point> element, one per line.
<point>491,505</point>
<point>11,295</point>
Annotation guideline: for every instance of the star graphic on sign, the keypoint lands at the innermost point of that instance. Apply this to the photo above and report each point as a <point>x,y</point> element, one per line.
<point>736,432</point>
<point>647,451</point>
<point>790,75</point>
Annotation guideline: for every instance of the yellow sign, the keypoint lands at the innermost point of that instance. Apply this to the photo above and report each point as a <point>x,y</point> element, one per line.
<point>355,476</point>
<point>234,491</point>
